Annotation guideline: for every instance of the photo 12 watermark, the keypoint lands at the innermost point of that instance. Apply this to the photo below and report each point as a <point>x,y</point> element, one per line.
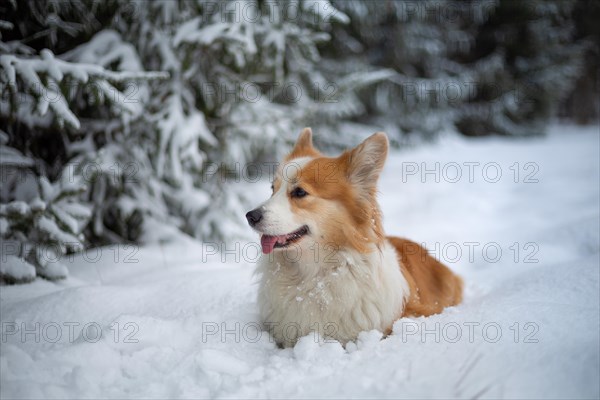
<point>70,332</point>
<point>406,330</point>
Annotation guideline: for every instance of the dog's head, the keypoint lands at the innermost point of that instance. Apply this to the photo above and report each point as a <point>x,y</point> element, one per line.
<point>329,201</point>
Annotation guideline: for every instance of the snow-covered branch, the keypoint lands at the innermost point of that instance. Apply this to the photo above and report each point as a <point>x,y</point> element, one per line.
<point>43,76</point>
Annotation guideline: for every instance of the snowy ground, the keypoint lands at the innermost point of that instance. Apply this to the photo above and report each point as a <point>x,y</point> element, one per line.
<point>180,320</point>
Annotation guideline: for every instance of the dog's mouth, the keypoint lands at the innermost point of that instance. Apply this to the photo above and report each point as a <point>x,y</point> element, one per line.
<point>270,242</point>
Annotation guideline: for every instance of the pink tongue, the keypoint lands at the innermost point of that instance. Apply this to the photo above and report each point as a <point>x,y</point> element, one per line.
<point>268,242</point>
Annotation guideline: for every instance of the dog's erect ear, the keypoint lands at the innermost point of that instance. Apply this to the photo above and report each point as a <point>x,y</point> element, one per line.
<point>304,146</point>
<point>304,141</point>
<point>366,160</point>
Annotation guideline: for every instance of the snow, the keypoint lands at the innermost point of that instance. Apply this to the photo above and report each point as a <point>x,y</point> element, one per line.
<point>105,48</point>
<point>179,319</point>
<point>325,10</point>
<point>6,24</point>
<point>50,227</point>
<point>178,133</point>
<point>17,207</point>
<point>12,157</point>
<point>17,268</point>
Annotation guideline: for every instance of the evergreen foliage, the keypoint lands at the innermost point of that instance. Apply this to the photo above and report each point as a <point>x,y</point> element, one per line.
<point>120,116</point>
<point>489,67</point>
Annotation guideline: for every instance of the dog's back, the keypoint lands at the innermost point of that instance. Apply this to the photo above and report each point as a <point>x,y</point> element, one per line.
<point>433,286</point>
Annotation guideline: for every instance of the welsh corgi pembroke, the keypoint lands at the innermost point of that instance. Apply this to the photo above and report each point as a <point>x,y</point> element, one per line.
<point>327,266</point>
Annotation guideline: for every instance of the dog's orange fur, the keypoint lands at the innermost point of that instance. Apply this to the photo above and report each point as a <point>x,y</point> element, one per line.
<point>356,223</point>
<point>432,285</point>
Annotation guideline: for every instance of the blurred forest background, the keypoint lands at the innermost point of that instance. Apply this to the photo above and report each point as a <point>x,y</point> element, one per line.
<point>129,121</point>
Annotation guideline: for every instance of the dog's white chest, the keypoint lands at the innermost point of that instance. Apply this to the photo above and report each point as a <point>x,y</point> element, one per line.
<point>338,301</point>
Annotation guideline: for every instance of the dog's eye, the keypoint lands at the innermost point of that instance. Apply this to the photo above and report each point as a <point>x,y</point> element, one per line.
<point>298,192</point>
<point>272,187</point>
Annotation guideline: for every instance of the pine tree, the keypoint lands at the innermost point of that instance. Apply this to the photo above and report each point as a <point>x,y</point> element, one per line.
<point>243,78</point>
<point>420,46</point>
<point>526,61</point>
<point>46,224</point>
<point>477,67</point>
<point>48,102</point>
<point>236,81</point>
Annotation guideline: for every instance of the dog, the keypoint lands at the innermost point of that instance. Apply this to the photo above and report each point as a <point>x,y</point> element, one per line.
<point>327,266</point>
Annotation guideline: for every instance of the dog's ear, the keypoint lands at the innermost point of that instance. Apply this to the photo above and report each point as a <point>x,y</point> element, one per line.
<point>304,146</point>
<point>366,160</point>
<point>304,141</point>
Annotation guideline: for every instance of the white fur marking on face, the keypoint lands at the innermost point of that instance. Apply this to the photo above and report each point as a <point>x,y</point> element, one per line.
<point>290,169</point>
<point>278,216</point>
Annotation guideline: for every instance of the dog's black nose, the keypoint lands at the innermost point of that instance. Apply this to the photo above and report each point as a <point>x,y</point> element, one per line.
<point>254,216</point>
